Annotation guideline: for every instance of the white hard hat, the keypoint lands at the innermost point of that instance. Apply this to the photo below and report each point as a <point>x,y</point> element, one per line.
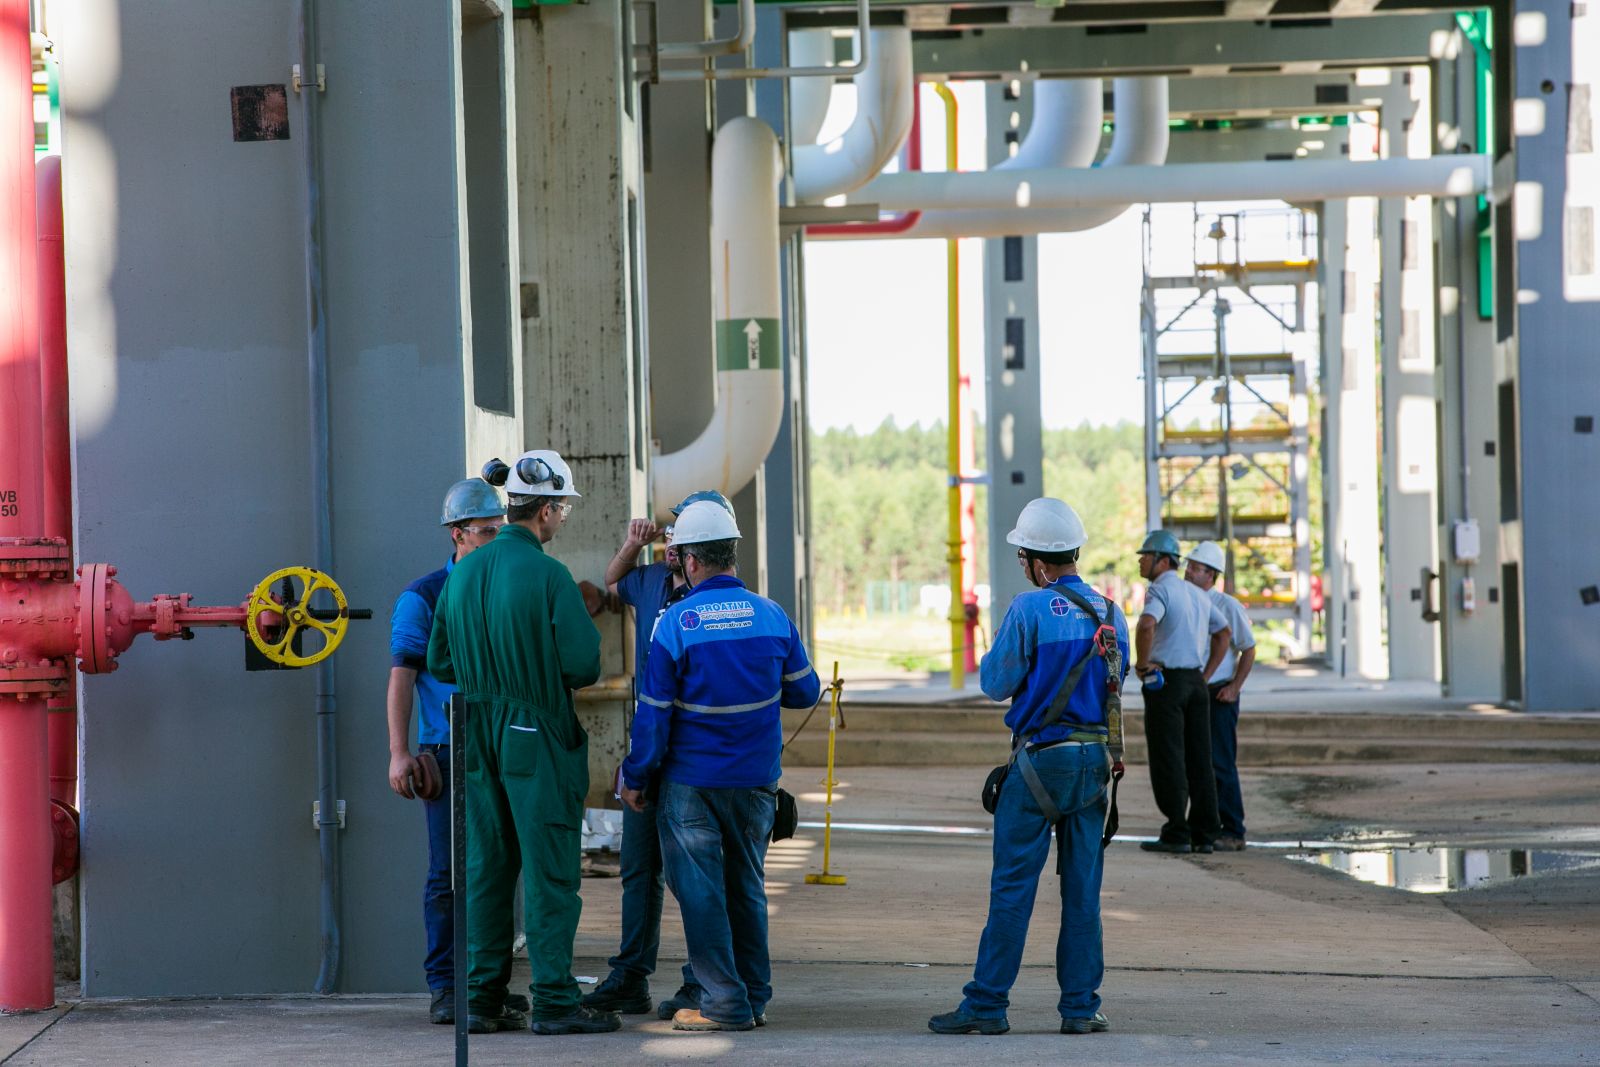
<point>541,472</point>
<point>1210,554</point>
<point>704,521</point>
<point>1048,525</point>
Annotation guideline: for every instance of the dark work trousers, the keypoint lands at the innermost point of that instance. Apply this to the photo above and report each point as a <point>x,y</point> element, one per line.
<point>438,902</point>
<point>1225,762</point>
<point>1177,730</point>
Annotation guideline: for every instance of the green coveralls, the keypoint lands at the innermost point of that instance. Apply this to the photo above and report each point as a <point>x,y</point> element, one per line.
<point>511,631</point>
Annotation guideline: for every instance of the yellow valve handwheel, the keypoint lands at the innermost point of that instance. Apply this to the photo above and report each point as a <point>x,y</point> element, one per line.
<point>296,615</point>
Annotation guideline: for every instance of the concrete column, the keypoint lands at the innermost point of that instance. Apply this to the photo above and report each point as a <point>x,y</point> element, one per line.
<point>1472,660</point>
<point>1013,423</point>
<point>1557,378</point>
<point>1410,462</point>
<point>1349,439</point>
<point>579,174</point>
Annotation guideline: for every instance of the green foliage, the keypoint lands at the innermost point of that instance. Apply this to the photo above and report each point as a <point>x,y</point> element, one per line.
<point>879,504</point>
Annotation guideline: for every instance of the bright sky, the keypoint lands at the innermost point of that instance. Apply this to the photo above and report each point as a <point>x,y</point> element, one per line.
<point>875,310</point>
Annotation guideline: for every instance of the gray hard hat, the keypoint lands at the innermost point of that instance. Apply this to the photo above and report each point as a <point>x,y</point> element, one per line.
<point>472,498</point>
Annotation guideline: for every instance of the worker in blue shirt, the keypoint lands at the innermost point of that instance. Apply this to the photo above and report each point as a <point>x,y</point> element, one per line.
<point>1044,636</point>
<point>722,664</point>
<point>648,590</point>
<point>474,511</point>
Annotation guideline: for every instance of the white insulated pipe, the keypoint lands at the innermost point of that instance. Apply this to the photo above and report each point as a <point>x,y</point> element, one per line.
<point>746,170</point>
<point>1139,138</point>
<point>884,107</point>
<point>809,97</point>
<point>1100,187</point>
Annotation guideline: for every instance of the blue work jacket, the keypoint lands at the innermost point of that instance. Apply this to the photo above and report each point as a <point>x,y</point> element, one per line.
<point>409,627</point>
<point>722,663</point>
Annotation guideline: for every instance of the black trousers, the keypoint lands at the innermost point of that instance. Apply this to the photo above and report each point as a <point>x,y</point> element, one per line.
<point>1177,731</point>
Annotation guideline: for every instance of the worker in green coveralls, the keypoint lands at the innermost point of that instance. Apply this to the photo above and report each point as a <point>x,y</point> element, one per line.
<point>511,632</point>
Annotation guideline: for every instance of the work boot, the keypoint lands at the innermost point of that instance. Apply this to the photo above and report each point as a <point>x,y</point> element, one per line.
<point>1163,846</point>
<point>691,1019</point>
<point>1202,847</point>
<point>621,993</point>
<point>964,1022</point>
<point>582,1020</point>
<point>442,1008</point>
<point>761,1019</point>
<point>1095,1024</point>
<point>687,996</point>
<point>507,1019</point>
<point>1228,843</point>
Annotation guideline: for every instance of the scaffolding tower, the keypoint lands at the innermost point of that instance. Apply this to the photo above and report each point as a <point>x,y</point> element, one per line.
<point>1225,372</point>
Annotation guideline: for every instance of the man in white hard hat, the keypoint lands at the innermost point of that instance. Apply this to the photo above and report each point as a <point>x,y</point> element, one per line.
<point>474,511</point>
<point>1204,568</point>
<point>512,632</point>
<point>723,663</point>
<point>649,590</point>
<point>1172,656</point>
<point>1057,656</point>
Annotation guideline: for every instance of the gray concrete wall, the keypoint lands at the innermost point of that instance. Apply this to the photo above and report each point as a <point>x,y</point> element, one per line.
<point>186,322</point>
<point>1557,376</point>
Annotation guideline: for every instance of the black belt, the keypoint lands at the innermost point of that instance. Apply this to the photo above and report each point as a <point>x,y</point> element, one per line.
<point>1074,739</point>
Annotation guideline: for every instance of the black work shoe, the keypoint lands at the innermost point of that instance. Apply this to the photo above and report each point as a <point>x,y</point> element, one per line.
<point>621,995</point>
<point>508,1019</point>
<point>1228,843</point>
<point>691,1019</point>
<point>583,1020</point>
<point>1204,850</point>
<point>442,1008</point>
<point>1163,846</point>
<point>687,996</point>
<point>1096,1024</point>
<point>964,1022</point>
<point>761,1018</point>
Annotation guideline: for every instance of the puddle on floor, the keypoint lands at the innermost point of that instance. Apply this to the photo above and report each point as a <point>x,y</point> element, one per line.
<point>1444,869</point>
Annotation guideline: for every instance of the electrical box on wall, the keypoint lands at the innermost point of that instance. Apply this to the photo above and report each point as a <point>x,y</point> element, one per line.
<point>1464,541</point>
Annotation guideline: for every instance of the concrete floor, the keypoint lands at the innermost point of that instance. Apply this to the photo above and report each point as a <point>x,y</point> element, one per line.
<point>1239,958</point>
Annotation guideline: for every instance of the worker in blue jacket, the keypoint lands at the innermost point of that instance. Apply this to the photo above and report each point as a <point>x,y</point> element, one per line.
<point>648,590</point>
<point>723,662</point>
<point>1043,637</point>
<point>474,511</point>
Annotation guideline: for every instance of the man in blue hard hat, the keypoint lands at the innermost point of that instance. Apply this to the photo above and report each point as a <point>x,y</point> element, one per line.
<point>474,511</point>
<point>1058,655</point>
<point>1181,637</point>
<point>648,590</point>
<point>723,663</point>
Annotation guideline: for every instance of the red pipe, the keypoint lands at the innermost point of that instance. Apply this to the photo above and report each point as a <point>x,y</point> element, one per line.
<point>27,972</point>
<point>63,730</point>
<point>900,223</point>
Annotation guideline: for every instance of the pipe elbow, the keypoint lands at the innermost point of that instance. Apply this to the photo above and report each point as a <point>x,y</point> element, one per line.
<point>884,104</point>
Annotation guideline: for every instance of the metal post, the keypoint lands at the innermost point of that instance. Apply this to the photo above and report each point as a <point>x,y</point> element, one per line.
<point>957,613</point>
<point>458,868</point>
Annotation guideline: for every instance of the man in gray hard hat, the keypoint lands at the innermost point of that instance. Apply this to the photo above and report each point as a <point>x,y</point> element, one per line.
<point>474,511</point>
<point>1205,566</point>
<point>1172,660</point>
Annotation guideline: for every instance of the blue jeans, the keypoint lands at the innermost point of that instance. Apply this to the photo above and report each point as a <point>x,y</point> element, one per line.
<point>715,845</point>
<point>1225,763</point>
<point>643,890</point>
<point>1076,777</point>
<point>438,902</point>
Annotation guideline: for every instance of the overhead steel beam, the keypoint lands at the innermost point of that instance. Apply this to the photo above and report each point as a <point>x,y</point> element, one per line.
<point>1211,48</point>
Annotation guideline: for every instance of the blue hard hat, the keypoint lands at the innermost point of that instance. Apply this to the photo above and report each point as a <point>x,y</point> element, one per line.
<point>1162,543</point>
<point>472,498</point>
<point>705,494</point>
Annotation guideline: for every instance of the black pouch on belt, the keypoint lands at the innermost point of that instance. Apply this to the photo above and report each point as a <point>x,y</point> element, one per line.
<point>786,819</point>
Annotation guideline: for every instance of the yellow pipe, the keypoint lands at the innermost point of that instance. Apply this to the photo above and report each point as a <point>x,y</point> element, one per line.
<point>958,614</point>
<point>827,877</point>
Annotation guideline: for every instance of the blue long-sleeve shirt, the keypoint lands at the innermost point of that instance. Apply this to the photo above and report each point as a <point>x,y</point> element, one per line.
<point>1041,639</point>
<point>409,627</point>
<point>722,664</point>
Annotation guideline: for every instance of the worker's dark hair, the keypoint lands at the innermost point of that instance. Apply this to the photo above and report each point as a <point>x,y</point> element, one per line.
<point>713,555</point>
<point>528,510</point>
<point>1054,559</point>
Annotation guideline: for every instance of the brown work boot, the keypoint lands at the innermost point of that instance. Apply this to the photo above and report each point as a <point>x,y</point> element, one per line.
<point>691,1019</point>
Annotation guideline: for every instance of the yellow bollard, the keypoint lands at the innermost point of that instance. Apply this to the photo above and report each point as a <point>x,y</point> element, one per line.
<point>826,878</point>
